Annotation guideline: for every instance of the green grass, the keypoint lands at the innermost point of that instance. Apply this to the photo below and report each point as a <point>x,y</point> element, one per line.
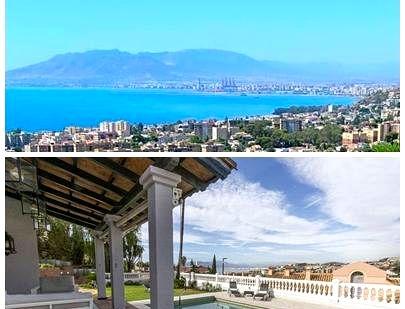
<point>138,292</point>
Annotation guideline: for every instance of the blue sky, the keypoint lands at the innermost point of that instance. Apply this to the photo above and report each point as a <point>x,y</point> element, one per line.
<point>275,210</point>
<point>346,31</point>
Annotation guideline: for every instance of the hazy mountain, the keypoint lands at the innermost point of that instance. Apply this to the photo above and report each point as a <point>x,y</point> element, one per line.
<point>114,66</point>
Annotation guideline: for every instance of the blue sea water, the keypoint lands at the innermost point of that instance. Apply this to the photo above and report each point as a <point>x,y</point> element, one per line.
<point>35,109</point>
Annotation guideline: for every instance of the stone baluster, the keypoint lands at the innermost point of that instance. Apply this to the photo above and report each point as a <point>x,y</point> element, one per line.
<point>335,290</point>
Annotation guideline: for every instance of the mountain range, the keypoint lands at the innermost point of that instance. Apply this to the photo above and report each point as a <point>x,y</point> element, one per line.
<point>109,67</point>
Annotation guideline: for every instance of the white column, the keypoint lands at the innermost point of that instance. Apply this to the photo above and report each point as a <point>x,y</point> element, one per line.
<point>100,266</point>
<point>160,183</point>
<point>116,262</point>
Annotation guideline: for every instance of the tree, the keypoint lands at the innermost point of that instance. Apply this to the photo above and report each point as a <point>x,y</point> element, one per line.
<point>386,147</point>
<point>132,250</point>
<point>183,261</point>
<point>391,137</point>
<point>192,266</point>
<point>77,240</point>
<point>214,265</point>
<point>396,267</point>
<point>196,139</point>
<point>57,243</point>
<point>89,250</point>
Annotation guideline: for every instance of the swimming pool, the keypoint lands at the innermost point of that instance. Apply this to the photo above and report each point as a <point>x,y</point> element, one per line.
<point>207,303</point>
<point>213,305</point>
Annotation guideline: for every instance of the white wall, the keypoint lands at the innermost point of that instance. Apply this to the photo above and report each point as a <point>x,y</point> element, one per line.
<point>22,272</point>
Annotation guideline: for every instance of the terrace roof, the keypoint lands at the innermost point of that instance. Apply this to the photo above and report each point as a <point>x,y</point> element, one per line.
<point>84,190</point>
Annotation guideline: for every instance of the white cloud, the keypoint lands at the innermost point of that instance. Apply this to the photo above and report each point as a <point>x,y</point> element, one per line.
<point>357,198</point>
<point>361,192</point>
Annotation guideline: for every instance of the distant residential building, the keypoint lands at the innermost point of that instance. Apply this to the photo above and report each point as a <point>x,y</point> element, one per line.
<point>203,130</point>
<point>291,125</point>
<point>104,127</point>
<point>388,127</point>
<point>15,140</point>
<point>350,138</point>
<point>121,128</point>
<point>71,130</point>
<point>360,272</point>
<point>220,133</point>
<point>212,147</point>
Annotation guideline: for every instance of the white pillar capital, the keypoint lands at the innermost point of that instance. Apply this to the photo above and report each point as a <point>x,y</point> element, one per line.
<point>155,174</point>
<point>111,219</point>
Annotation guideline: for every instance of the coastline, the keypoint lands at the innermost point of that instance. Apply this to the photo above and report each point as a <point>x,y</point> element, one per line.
<point>153,106</point>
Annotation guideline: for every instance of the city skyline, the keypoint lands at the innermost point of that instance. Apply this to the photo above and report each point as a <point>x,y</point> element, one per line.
<point>254,218</point>
<point>328,32</point>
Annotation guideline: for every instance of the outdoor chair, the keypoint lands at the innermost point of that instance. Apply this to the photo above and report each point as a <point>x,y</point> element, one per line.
<point>263,292</point>
<point>233,289</point>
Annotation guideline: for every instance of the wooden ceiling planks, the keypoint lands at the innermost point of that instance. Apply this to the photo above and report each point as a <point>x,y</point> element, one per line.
<point>85,189</point>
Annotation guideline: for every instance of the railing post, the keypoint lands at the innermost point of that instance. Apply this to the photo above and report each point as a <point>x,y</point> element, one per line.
<point>192,276</point>
<point>335,290</point>
<point>216,279</point>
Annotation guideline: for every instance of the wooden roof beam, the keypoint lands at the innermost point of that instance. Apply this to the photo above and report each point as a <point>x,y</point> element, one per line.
<point>71,169</point>
<point>74,187</point>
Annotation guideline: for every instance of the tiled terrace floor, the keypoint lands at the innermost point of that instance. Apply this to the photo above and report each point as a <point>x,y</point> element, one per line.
<point>275,303</point>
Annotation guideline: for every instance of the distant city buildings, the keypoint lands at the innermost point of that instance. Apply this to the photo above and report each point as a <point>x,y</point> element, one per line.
<point>376,272</point>
<point>121,127</point>
<point>291,125</point>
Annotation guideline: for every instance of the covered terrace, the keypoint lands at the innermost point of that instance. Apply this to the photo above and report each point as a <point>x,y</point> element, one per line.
<point>109,196</point>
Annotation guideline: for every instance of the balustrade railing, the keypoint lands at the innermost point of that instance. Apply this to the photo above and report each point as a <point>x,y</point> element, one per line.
<point>384,295</point>
<point>135,277</point>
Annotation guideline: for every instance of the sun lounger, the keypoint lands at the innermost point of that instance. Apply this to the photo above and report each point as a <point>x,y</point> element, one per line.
<point>263,292</point>
<point>233,289</point>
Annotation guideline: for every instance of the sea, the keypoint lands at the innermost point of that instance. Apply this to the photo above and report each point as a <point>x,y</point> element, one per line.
<point>39,109</point>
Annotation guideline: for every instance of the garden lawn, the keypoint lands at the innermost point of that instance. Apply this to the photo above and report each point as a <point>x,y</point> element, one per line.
<point>138,292</point>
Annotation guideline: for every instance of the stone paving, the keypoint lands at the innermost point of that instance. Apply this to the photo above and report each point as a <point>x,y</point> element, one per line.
<point>274,303</point>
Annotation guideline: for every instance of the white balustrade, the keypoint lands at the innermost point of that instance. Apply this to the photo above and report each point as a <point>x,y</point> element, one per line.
<point>135,277</point>
<point>383,295</point>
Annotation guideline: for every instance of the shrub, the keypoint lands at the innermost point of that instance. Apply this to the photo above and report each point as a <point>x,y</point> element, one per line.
<point>206,286</point>
<point>180,283</point>
<point>192,284</point>
<point>89,285</point>
<point>91,277</point>
<point>130,282</point>
<point>46,265</point>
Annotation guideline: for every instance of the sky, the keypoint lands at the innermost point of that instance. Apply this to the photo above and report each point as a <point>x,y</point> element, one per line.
<point>345,31</point>
<point>285,210</point>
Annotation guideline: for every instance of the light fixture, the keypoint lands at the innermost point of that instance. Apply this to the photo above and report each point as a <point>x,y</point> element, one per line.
<point>21,176</point>
<point>176,196</point>
<point>10,246</point>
